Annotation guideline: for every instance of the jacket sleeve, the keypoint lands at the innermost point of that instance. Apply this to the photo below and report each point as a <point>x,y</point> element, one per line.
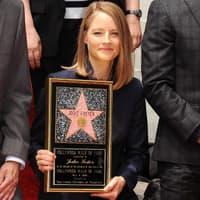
<point>38,132</point>
<point>17,99</point>
<point>159,73</point>
<point>136,149</point>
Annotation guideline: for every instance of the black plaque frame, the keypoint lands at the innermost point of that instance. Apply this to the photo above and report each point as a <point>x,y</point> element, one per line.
<point>83,160</point>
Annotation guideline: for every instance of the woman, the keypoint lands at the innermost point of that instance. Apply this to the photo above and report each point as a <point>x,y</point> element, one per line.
<point>104,53</point>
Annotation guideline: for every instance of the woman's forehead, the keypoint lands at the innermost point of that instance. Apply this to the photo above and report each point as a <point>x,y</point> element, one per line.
<point>99,19</point>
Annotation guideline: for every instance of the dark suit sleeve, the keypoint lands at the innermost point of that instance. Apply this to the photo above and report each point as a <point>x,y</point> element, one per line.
<point>159,73</point>
<point>17,99</point>
<point>38,132</point>
<point>136,149</point>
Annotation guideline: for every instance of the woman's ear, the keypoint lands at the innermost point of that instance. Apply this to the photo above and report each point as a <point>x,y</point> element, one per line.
<point>85,37</point>
<point>85,41</point>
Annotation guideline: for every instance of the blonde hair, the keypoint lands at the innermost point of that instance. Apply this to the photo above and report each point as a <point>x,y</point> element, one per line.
<point>123,71</point>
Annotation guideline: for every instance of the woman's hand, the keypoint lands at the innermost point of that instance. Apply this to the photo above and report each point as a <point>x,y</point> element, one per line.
<point>135,30</point>
<point>113,189</point>
<point>34,47</point>
<point>45,160</point>
<point>33,39</point>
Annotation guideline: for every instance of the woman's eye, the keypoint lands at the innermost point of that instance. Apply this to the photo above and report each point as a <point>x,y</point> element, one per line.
<point>97,33</point>
<point>115,33</point>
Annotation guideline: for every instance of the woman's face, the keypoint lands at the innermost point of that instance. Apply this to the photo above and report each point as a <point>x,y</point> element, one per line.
<point>102,39</point>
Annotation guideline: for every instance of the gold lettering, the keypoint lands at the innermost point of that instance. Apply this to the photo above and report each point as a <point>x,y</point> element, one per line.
<point>71,161</point>
<point>84,161</point>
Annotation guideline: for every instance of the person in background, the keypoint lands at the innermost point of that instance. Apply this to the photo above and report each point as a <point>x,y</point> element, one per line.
<point>103,53</point>
<point>52,28</point>
<point>15,98</point>
<point>170,71</point>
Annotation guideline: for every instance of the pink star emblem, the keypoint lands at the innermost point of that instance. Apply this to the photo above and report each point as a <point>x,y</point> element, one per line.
<point>81,118</point>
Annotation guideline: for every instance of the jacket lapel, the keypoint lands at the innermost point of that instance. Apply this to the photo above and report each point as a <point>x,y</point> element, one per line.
<point>194,7</point>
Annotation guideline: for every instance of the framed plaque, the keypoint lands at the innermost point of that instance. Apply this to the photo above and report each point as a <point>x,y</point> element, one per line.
<point>78,131</point>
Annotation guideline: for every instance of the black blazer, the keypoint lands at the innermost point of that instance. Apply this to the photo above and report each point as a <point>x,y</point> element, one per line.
<point>171,77</point>
<point>129,138</point>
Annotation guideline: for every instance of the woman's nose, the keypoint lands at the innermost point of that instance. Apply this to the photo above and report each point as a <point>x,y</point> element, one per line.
<point>107,37</point>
